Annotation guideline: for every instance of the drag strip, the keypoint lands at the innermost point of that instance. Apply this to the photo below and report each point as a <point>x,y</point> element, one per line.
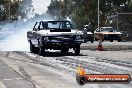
<point>67,64</point>
<point>9,77</point>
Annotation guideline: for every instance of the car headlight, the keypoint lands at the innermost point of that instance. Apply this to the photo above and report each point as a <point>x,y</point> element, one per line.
<point>78,37</point>
<point>45,38</point>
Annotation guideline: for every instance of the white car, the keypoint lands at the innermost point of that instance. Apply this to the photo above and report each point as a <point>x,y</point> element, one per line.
<point>108,33</point>
<point>56,35</point>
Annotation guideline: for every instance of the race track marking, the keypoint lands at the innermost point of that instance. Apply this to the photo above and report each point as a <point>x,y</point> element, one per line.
<point>12,79</point>
<point>2,85</point>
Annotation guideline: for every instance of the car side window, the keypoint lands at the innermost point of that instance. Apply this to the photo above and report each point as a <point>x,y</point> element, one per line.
<point>68,25</point>
<point>40,26</point>
<point>36,25</point>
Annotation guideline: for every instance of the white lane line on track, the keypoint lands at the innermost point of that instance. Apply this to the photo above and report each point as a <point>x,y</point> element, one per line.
<point>2,85</point>
<point>12,79</point>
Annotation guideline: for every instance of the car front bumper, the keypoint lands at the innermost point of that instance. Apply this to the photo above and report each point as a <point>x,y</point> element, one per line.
<point>112,37</point>
<point>54,44</point>
<point>88,37</point>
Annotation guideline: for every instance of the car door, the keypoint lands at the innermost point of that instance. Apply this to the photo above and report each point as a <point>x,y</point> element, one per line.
<point>32,34</point>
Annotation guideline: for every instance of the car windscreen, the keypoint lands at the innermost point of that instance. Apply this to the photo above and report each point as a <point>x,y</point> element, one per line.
<point>59,25</point>
<point>108,30</point>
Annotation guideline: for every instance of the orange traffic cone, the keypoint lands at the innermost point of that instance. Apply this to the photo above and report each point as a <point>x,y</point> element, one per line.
<point>81,71</point>
<point>100,47</point>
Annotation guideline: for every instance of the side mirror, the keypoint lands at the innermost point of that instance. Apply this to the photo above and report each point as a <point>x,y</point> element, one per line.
<point>34,29</point>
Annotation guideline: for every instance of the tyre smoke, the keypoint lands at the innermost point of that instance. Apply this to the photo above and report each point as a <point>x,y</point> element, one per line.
<point>17,39</point>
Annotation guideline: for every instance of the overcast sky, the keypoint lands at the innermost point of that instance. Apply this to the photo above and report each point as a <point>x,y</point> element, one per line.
<point>40,6</point>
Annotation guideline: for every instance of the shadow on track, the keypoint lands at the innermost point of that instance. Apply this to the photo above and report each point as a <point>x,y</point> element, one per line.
<point>59,54</point>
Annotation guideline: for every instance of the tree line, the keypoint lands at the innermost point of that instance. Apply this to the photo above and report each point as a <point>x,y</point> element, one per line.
<point>83,12</point>
<point>12,9</point>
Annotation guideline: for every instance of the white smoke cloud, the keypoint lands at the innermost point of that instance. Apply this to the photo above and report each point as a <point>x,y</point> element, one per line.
<point>40,6</point>
<point>18,40</point>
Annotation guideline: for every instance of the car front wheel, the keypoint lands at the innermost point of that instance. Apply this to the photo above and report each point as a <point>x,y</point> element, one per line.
<point>41,50</point>
<point>92,40</point>
<point>77,49</point>
<point>111,40</point>
<point>119,40</point>
<point>65,50</point>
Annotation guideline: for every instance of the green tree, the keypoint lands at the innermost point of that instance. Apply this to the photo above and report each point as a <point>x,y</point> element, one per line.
<point>8,8</point>
<point>25,8</point>
<point>4,10</point>
<point>85,11</point>
<point>57,9</point>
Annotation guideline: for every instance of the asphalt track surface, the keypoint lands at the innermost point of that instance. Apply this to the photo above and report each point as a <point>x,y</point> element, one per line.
<point>108,46</point>
<point>22,69</point>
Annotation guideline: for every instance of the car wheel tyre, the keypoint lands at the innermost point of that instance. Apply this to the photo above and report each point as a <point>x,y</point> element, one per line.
<point>119,40</point>
<point>41,50</point>
<point>92,40</point>
<point>85,41</point>
<point>65,50</point>
<point>36,50</point>
<point>77,50</point>
<point>111,40</point>
<point>95,39</point>
<point>32,47</point>
<point>102,40</point>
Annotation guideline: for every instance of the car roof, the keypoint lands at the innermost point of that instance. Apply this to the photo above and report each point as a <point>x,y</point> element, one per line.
<point>106,27</point>
<point>54,21</point>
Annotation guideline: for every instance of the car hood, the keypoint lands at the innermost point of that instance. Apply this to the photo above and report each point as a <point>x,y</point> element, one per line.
<point>109,32</point>
<point>48,32</point>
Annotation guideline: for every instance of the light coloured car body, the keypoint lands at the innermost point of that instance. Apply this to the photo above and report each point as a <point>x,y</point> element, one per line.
<point>57,35</point>
<point>108,33</point>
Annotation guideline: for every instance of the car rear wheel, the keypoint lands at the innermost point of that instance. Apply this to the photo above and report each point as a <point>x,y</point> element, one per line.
<point>32,47</point>
<point>77,49</point>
